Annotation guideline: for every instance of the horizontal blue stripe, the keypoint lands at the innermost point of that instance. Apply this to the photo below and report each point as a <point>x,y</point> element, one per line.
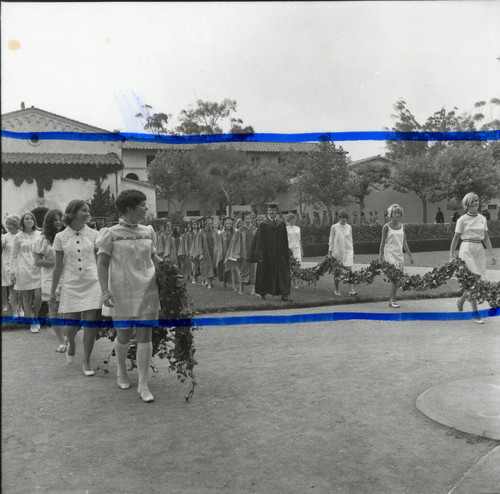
<point>248,320</point>
<point>487,135</point>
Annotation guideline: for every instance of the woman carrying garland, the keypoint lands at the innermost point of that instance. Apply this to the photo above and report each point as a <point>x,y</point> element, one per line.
<point>340,247</point>
<point>45,259</point>
<point>24,274</point>
<point>392,244</point>
<point>472,229</point>
<point>76,268</point>
<point>126,268</point>
<point>9,295</point>
<point>294,240</point>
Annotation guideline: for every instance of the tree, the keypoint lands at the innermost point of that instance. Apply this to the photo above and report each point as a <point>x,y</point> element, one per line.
<point>469,167</point>
<point>324,180</point>
<point>154,122</point>
<point>405,122</point>
<point>102,203</point>
<point>226,173</point>
<point>208,117</point>
<point>175,174</point>
<point>417,174</point>
<point>368,176</point>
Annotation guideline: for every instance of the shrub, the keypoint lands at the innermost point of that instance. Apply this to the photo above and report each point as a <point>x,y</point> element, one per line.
<point>373,233</point>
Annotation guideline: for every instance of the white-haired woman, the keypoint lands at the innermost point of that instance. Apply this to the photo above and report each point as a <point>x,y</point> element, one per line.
<point>472,229</point>
<point>392,245</point>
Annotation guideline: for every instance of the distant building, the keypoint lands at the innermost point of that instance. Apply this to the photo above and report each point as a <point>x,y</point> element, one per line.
<point>39,174</point>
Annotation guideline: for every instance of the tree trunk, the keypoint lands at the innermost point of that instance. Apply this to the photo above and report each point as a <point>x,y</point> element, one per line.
<point>424,207</point>
<point>361,203</point>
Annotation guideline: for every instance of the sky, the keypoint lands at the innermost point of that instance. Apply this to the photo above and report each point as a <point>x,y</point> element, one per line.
<point>290,66</point>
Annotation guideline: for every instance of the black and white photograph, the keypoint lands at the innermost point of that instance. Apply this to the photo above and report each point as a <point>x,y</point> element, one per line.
<point>250,247</point>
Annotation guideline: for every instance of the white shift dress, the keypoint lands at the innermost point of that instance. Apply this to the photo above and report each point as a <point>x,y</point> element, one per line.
<point>393,248</point>
<point>22,261</point>
<point>80,289</point>
<point>7,243</point>
<point>43,248</point>
<point>132,277</point>
<point>294,241</point>
<point>340,243</point>
<point>472,228</point>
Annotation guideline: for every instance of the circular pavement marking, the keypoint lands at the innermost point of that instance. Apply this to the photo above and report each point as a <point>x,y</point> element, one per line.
<point>469,405</point>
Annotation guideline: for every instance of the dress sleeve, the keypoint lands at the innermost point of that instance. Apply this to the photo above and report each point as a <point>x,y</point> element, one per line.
<point>58,246</point>
<point>40,245</point>
<point>331,239</point>
<point>459,228</point>
<point>104,242</point>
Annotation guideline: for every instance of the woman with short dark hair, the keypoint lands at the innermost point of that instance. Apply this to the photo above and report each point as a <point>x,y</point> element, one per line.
<point>126,269</point>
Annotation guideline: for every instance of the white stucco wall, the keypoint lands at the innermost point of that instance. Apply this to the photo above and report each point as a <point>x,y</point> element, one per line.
<point>17,200</point>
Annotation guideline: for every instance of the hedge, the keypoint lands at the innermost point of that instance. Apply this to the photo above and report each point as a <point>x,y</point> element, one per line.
<point>373,233</point>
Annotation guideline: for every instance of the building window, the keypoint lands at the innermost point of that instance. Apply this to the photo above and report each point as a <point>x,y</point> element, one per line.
<point>132,176</point>
<point>255,160</point>
<point>150,158</point>
<point>195,212</point>
<point>281,159</point>
<point>162,214</point>
<point>34,140</point>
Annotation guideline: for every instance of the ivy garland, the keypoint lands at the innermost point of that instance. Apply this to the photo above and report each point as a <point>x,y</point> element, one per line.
<point>479,289</point>
<point>44,175</point>
<point>176,343</point>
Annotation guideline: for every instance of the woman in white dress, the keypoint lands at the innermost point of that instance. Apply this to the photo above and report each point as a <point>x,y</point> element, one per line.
<point>340,246</point>
<point>23,272</point>
<point>76,268</point>
<point>472,229</point>
<point>45,259</point>
<point>294,239</point>
<point>126,268</point>
<point>392,245</point>
<point>9,295</point>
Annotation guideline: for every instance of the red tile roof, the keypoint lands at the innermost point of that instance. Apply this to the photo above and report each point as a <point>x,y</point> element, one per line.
<point>62,159</point>
<point>255,147</point>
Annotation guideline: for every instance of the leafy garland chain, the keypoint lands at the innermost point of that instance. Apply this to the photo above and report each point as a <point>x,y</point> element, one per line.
<point>176,344</point>
<point>479,289</point>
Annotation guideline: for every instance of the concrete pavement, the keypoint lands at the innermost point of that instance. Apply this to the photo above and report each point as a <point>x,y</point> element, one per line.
<point>325,407</point>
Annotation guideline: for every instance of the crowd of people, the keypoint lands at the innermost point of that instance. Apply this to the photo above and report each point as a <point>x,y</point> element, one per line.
<point>79,271</point>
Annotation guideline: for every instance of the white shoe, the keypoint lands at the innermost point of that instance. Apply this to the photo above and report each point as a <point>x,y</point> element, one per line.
<point>146,396</point>
<point>35,328</point>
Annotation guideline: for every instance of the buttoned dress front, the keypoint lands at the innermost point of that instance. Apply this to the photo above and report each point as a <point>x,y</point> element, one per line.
<point>80,287</point>
<point>132,276</point>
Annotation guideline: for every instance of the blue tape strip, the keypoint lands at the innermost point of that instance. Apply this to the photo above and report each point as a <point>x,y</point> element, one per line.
<point>260,320</point>
<point>487,135</point>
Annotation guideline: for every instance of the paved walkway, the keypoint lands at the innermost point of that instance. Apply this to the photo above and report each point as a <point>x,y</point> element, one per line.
<point>324,407</point>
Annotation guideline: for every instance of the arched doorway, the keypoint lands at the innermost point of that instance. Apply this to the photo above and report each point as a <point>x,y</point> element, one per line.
<point>132,176</point>
<point>39,214</point>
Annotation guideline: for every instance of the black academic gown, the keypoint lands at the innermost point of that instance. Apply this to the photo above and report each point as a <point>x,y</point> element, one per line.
<point>269,250</point>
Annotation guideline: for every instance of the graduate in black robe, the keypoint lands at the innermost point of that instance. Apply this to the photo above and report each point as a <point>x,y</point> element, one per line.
<point>269,250</point>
